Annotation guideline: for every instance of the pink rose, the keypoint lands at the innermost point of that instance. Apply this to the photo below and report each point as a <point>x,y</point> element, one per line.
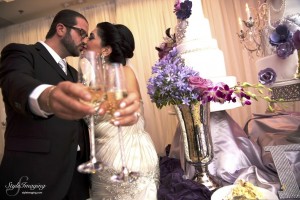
<point>200,83</point>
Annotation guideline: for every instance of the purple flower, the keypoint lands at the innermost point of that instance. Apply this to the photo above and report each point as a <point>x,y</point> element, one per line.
<point>282,39</point>
<point>267,76</point>
<point>167,45</point>
<point>280,35</point>
<point>183,10</point>
<point>286,49</point>
<point>163,50</point>
<point>296,39</point>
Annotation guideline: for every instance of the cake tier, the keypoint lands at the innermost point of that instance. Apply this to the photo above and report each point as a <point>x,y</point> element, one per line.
<point>204,57</point>
<point>196,27</point>
<point>193,29</point>
<point>284,68</point>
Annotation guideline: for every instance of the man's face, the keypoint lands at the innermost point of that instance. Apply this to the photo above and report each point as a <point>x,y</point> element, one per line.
<point>75,39</point>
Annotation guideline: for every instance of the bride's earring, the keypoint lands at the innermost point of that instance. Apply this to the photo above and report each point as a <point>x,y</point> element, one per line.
<point>103,60</point>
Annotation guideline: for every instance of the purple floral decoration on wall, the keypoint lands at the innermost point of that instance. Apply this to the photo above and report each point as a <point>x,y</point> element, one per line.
<point>183,10</point>
<point>267,76</point>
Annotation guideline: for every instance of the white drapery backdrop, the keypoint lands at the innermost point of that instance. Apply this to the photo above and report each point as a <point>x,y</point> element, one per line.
<point>148,20</point>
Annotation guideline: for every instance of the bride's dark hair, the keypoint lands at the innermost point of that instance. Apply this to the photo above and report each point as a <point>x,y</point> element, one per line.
<point>119,38</point>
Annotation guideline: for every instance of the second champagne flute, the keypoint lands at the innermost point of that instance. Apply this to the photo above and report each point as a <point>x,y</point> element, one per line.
<point>115,92</point>
<point>91,75</point>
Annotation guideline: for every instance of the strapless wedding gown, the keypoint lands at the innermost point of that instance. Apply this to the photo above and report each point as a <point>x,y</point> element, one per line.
<point>140,155</point>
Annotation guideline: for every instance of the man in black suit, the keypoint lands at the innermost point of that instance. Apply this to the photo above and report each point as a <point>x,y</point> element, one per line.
<point>46,138</point>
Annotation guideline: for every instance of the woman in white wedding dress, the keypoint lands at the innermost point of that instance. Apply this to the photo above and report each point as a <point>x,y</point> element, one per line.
<point>115,43</point>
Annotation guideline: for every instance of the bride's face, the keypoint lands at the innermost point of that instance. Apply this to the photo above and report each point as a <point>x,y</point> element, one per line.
<point>94,42</point>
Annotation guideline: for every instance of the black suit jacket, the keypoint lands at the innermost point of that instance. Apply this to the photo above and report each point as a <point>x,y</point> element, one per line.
<point>39,153</point>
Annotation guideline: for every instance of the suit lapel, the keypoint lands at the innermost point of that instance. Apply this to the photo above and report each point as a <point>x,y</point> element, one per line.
<point>72,74</point>
<point>49,59</point>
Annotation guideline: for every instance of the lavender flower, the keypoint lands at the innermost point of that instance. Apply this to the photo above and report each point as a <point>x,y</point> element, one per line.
<point>183,10</point>
<point>267,76</point>
<point>169,84</point>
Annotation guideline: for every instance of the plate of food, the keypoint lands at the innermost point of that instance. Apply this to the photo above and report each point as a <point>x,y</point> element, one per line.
<point>243,190</point>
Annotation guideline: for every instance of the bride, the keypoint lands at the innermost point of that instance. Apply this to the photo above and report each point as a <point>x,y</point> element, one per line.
<point>115,43</point>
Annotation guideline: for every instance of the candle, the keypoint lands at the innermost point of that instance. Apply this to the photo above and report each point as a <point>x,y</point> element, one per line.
<point>240,23</point>
<point>248,11</point>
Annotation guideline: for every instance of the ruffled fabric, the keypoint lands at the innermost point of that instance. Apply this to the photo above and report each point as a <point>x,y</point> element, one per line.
<point>174,187</point>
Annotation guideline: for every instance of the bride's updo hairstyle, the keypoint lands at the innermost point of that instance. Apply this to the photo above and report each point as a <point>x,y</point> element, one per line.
<point>119,38</point>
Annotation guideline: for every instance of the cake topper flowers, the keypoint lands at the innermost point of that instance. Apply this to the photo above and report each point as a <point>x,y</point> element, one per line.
<point>183,10</point>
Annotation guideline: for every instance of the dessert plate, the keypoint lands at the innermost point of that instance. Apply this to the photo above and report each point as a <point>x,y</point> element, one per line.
<point>223,192</point>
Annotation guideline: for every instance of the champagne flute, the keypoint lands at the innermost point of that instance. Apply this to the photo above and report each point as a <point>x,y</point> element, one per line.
<point>115,92</point>
<point>91,75</point>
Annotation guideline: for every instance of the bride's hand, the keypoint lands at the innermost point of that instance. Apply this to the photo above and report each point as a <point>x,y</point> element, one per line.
<point>129,111</point>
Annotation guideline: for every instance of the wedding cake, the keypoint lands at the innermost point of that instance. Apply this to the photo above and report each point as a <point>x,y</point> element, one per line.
<point>200,51</point>
<point>286,84</point>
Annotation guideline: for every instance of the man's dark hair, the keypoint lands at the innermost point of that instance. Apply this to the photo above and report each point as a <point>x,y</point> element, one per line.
<point>67,17</point>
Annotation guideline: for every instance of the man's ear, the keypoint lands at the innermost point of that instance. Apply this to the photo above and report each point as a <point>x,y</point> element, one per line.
<point>61,29</point>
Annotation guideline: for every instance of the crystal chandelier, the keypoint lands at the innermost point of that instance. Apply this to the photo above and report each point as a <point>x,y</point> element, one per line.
<point>252,29</point>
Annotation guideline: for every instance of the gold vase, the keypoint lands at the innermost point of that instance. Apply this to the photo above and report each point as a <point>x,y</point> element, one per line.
<point>198,149</point>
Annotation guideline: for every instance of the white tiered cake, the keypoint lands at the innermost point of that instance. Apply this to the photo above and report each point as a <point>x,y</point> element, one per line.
<point>200,51</point>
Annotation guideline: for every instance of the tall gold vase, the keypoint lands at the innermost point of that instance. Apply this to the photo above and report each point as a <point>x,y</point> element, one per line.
<point>198,148</point>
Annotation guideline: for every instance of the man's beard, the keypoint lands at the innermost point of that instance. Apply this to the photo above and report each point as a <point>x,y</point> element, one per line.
<point>70,46</point>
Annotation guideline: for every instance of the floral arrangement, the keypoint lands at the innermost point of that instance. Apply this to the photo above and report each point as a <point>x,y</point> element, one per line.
<point>284,41</point>
<point>174,83</point>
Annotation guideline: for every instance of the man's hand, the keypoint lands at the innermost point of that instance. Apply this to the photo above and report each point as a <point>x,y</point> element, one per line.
<point>63,101</point>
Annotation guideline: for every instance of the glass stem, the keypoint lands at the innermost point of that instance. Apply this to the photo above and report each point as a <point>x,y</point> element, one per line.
<point>92,139</point>
<point>121,141</point>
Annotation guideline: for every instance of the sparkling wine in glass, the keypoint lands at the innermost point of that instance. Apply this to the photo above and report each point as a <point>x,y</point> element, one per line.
<point>115,92</point>
<point>91,75</point>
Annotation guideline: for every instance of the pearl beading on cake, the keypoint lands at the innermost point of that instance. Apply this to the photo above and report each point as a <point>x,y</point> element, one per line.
<point>282,6</point>
<point>196,50</point>
<point>180,30</point>
<point>280,18</point>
